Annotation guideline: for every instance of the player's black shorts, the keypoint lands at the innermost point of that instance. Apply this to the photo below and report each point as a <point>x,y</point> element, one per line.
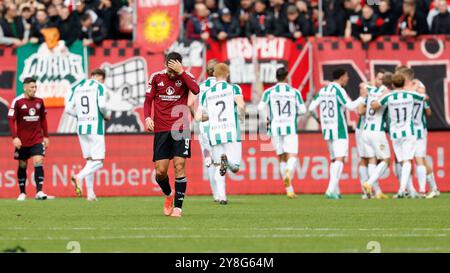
<point>167,145</point>
<point>25,153</point>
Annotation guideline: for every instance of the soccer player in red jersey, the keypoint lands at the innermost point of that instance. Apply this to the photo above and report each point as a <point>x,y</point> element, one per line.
<point>168,91</point>
<point>28,126</point>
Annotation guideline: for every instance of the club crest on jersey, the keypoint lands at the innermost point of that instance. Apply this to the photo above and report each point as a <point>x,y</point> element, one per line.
<point>170,91</point>
<point>382,147</point>
<point>32,111</point>
<point>178,83</point>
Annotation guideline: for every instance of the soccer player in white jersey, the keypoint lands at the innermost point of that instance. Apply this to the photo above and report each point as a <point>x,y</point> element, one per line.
<point>203,127</point>
<point>222,105</point>
<point>285,104</point>
<point>364,167</point>
<point>375,143</point>
<point>87,102</point>
<point>424,170</point>
<point>400,104</point>
<point>333,100</point>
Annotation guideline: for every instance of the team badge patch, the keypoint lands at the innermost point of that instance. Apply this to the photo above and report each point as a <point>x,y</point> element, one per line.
<point>170,90</point>
<point>32,111</point>
<point>178,83</point>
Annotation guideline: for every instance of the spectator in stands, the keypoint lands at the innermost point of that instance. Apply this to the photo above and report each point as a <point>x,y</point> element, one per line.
<point>105,11</point>
<point>294,27</point>
<point>68,27</point>
<point>243,13</point>
<point>53,15</point>
<point>412,22</point>
<point>225,26</point>
<point>260,23</point>
<point>368,25</point>
<point>441,22</point>
<point>353,11</point>
<point>329,25</point>
<point>42,21</point>
<point>305,16</point>
<point>92,31</point>
<point>27,15</point>
<point>388,16</point>
<point>197,26</point>
<point>279,10</point>
<point>13,29</point>
<point>211,5</point>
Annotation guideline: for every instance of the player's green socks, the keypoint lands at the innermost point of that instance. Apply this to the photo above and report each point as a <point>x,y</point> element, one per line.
<point>39,176</point>
<point>164,185</point>
<point>180,189</point>
<point>22,178</point>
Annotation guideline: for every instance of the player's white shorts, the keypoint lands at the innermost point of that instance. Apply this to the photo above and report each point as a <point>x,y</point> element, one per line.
<point>421,147</point>
<point>233,151</point>
<point>338,148</point>
<point>92,146</point>
<point>375,144</point>
<point>359,143</point>
<point>285,144</point>
<point>404,148</point>
<point>205,146</point>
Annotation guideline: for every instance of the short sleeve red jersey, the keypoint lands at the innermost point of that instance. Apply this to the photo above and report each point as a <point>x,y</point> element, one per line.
<point>27,120</point>
<point>169,97</point>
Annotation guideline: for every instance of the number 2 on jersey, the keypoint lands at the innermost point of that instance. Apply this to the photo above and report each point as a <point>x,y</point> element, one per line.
<point>222,103</point>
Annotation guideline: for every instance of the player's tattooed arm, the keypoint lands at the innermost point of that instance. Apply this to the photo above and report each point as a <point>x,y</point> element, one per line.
<point>239,100</point>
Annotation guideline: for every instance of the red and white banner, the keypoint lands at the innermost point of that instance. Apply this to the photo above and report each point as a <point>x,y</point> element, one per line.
<point>158,23</point>
<point>129,171</point>
<point>253,62</point>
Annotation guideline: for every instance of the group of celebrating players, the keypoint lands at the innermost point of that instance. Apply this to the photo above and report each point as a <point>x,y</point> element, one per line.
<point>396,103</point>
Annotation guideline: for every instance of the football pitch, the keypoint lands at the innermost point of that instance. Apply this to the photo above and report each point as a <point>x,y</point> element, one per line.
<point>258,223</point>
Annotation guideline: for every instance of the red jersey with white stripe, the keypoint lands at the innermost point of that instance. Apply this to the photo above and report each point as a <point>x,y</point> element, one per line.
<point>27,120</point>
<point>169,97</point>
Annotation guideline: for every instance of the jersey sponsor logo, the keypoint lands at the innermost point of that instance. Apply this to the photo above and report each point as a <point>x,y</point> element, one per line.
<point>178,83</point>
<point>170,91</point>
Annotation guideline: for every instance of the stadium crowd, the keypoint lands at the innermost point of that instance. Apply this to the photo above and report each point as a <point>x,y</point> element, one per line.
<point>91,21</point>
<point>225,19</point>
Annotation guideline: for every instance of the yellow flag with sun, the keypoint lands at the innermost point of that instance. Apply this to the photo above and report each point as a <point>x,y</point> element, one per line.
<point>158,24</point>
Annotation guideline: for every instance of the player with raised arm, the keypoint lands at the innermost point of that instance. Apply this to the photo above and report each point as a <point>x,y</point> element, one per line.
<point>168,92</point>
<point>284,104</point>
<point>87,103</point>
<point>375,143</point>
<point>424,170</point>
<point>203,127</point>
<point>28,125</point>
<point>223,105</point>
<point>333,100</point>
<point>400,104</point>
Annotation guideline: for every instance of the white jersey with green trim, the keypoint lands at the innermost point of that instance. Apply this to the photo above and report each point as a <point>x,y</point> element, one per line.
<point>333,99</point>
<point>400,105</point>
<point>219,104</point>
<point>87,102</point>
<point>207,84</point>
<point>420,119</point>
<point>375,119</point>
<point>285,104</point>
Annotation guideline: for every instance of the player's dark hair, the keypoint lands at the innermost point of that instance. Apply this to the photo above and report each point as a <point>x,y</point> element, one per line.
<point>338,73</point>
<point>175,56</point>
<point>382,71</point>
<point>398,80</point>
<point>387,79</point>
<point>28,80</point>
<point>98,72</point>
<point>282,74</point>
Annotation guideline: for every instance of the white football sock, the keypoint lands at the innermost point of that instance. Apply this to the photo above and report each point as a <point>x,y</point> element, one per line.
<point>405,175</point>
<point>90,184</point>
<point>432,182</point>
<point>289,189</point>
<point>410,186</point>
<point>335,173</point>
<point>291,164</point>
<point>212,181</point>
<point>421,172</point>
<point>363,175</point>
<point>91,167</point>
<point>377,172</point>
<point>398,171</point>
<point>283,167</point>
<point>220,184</point>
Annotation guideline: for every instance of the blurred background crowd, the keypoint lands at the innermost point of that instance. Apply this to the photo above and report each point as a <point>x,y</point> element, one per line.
<point>92,21</point>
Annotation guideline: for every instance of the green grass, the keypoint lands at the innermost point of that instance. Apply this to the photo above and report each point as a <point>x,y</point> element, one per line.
<point>262,223</point>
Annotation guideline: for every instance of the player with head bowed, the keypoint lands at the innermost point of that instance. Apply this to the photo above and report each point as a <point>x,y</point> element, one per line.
<point>223,105</point>
<point>87,103</point>
<point>168,91</point>
<point>281,105</point>
<point>333,100</point>
<point>28,125</point>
